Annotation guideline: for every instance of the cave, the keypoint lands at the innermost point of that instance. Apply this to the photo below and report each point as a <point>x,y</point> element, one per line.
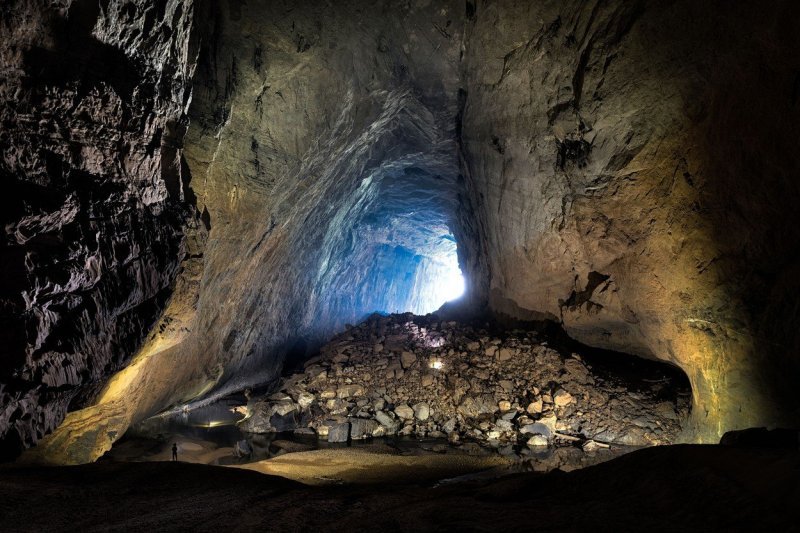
<point>439,253</point>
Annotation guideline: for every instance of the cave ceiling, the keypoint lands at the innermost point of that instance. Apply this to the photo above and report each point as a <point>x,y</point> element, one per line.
<point>196,186</point>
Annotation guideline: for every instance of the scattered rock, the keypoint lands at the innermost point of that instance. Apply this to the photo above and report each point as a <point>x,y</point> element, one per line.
<point>404,412</point>
<point>339,432</point>
<point>471,398</point>
<point>407,359</point>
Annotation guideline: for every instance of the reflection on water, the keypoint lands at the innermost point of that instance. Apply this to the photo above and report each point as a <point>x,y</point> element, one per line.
<point>210,435</point>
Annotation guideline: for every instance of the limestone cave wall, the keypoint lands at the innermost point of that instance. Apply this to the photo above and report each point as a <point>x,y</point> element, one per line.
<point>633,169</point>
<point>93,101</point>
<point>253,176</point>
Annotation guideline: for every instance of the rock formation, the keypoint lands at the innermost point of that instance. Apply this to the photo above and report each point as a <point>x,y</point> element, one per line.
<point>624,169</point>
<point>407,375</point>
<point>96,207</point>
<point>629,163</point>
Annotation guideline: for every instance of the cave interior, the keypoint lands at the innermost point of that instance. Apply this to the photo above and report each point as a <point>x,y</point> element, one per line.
<point>425,238</point>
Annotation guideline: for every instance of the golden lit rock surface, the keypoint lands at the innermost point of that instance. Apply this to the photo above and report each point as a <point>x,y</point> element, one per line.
<point>631,165</point>
<point>625,169</point>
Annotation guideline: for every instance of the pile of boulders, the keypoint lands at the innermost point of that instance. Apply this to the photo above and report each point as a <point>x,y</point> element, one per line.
<point>414,376</point>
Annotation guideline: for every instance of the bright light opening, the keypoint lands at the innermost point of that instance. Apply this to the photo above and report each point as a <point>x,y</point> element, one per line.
<point>452,286</point>
<point>438,278</point>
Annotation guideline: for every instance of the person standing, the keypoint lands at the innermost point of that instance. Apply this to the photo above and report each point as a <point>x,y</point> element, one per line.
<point>174,451</point>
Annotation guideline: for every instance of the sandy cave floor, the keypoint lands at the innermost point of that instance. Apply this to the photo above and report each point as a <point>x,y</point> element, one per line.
<point>669,488</point>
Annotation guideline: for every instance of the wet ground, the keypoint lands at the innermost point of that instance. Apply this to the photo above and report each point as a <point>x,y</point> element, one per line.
<point>210,435</point>
<point>664,488</point>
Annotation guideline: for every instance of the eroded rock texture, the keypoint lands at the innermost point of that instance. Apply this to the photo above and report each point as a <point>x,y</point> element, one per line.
<point>632,164</point>
<point>93,114</point>
<point>622,168</point>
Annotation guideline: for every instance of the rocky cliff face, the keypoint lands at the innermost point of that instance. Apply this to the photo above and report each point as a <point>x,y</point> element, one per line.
<point>323,156</point>
<point>622,168</point>
<point>629,160</point>
<point>93,109</point>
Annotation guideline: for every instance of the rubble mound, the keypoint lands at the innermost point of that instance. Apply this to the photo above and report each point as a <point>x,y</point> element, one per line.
<point>417,376</point>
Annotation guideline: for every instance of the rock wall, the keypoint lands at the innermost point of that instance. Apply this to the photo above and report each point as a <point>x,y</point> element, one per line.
<point>621,168</point>
<point>93,101</point>
<point>631,160</point>
<point>322,148</point>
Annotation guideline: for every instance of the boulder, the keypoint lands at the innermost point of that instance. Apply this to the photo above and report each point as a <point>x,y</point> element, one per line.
<point>535,407</point>
<point>384,419</point>
<point>550,421</point>
<point>422,411</point>
<point>404,412</point>
<point>537,428</point>
<point>537,441</point>
<point>339,432</point>
<point>474,406</point>
<point>407,359</point>
<point>353,390</point>
<point>562,398</point>
<point>362,428</point>
<point>328,394</point>
<point>304,399</point>
<point>762,438</point>
<point>505,354</point>
<point>284,407</point>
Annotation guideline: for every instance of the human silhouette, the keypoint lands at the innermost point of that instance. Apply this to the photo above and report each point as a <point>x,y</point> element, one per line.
<point>174,451</point>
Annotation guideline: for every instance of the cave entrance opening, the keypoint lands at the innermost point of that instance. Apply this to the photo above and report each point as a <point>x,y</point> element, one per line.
<point>429,279</point>
<point>438,278</point>
<point>414,215</point>
<point>393,246</point>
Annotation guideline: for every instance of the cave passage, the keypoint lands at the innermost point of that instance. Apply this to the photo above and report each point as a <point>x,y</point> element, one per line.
<point>184,227</point>
<point>404,245</point>
<point>391,242</point>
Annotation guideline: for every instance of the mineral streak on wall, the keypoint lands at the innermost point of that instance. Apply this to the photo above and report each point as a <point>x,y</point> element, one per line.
<point>623,168</point>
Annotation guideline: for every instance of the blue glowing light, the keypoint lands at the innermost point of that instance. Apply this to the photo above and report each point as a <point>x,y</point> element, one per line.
<point>438,278</point>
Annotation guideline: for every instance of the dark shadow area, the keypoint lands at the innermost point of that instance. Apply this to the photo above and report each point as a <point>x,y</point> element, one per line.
<point>77,56</point>
<point>747,183</point>
<point>671,488</point>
